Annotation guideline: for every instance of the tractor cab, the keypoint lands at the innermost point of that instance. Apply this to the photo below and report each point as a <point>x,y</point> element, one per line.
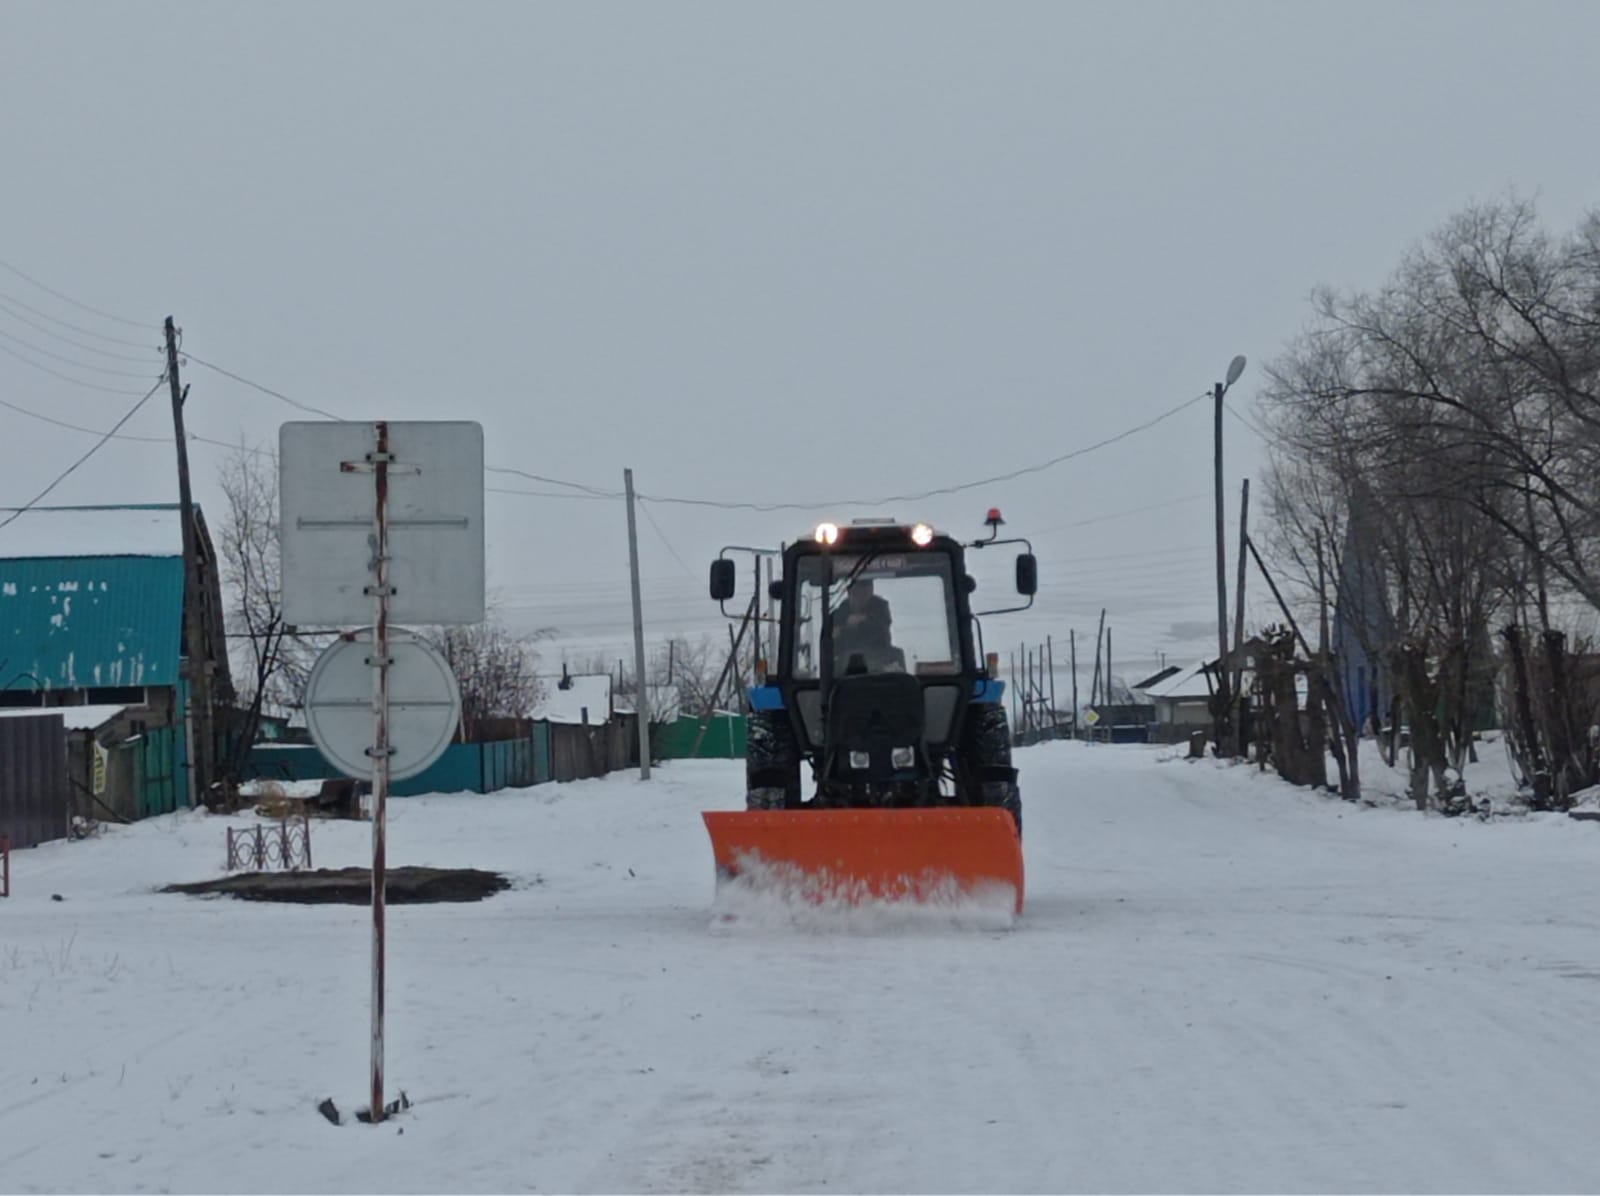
<point>876,630</point>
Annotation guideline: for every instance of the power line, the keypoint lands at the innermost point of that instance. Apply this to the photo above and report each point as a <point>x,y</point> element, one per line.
<point>67,472</point>
<point>600,492</point>
<point>592,491</point>
<point>104,315</point>
<point>651,519</point>
<point>941,490</point>
<point>61,423</point>
<point>196,438</point>
<point>37,327</point>
<point>72,361</point>
<point>44,315</point>
<point>551,494</point>
<point>1171,502</point>
<point>266,390</point>
<point>1251,424</point>
<point>54,373</point>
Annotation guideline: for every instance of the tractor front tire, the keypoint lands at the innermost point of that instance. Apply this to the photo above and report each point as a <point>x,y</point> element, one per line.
<point>772,762</point>
<point>989,778</point>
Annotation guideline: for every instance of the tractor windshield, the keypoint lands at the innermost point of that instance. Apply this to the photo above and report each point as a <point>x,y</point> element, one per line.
<point>894,613</point>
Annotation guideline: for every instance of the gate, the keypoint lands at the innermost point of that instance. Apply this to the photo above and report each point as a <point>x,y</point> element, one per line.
<point>158,773</point>
<point>33,779</point>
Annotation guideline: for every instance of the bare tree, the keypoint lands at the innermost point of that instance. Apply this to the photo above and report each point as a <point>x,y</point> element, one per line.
<point>496,671</point>
<point>1453,417</point>
<point>271,660</point>
<point>691,667</point>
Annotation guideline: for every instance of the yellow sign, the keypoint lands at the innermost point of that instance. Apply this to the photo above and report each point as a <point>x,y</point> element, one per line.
<point>1092,717</point>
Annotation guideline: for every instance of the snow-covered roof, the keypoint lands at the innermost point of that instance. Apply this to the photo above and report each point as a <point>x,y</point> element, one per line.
<point>591,691</point>
<point>1183,685</point>
<point>1165,674</point>
<point>91,531</point>
<point>76,718</point>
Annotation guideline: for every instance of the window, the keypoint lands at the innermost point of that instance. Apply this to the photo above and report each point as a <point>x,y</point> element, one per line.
<point>897,614</point>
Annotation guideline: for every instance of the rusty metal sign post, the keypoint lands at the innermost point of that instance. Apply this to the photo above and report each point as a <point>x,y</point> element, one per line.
<point>378,463</point>
<point>317,580</point>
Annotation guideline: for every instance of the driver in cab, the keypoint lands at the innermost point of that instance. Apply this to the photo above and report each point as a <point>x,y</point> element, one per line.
<point>862,628</point>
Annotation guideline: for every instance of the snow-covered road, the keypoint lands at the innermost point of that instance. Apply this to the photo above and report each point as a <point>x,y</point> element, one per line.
<point>1219,983</point>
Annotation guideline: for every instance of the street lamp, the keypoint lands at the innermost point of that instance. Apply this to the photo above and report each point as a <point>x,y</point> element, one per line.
<point>1222,697</point>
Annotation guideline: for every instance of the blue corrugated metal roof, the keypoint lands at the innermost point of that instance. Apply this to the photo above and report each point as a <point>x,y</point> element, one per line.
<point>87,622</point>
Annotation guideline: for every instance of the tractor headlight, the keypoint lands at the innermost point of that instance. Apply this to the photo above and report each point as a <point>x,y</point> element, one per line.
<point>860,761</point>
<point>827,533</point>
<point>902,757</point>
<point>922,535</point>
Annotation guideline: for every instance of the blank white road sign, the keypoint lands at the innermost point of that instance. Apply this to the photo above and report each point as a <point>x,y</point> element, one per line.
<point>328,528</point>
<point>424,705</point>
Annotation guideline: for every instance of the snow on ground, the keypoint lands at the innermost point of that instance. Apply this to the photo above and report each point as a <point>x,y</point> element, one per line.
<point>1218,984</point>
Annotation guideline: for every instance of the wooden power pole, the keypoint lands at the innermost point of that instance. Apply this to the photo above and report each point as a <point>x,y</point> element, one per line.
<point>1221,698</point>
<point>1072,649</point>
<point>641,694</point>
<point>1111,697</point>
<point>197,668</point>
<point>1236,674</point>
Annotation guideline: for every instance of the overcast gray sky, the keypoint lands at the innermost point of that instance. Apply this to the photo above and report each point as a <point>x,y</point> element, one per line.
<point>759,253</point>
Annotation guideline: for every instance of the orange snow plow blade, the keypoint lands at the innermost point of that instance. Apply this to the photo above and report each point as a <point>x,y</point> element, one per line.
<point>922,856</point>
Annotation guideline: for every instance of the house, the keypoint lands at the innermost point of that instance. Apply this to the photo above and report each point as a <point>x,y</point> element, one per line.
<point>574,699</point>
<point>588,735</point>
<point>92,617</point>
<point>1183,697</point>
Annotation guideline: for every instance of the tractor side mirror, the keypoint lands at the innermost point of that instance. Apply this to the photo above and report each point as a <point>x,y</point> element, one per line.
<point>775,591</point>
<point>1027,574</point>
<point>722,580</point>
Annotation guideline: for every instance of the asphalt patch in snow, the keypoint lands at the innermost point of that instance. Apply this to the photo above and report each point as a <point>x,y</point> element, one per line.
<point>353,886</point>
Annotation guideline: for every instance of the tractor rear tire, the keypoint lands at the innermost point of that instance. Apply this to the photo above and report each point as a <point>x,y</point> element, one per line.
<point>985,752</point>
<point>772,762</point>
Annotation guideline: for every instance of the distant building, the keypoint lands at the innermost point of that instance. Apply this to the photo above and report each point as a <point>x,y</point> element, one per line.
<point>574,699</point>
<point>1183,697</point>
<point>92,616</point>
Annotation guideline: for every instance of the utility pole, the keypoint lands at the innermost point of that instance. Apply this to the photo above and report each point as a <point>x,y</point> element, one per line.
<point>641,702</point>
<point>772,621</point>
<point>1099,639</point>
<point>1222,698</point>
<point>198,713</point>
<point>1032,719</point>
<point>1072,647</point>
<point>1055,715</point>
<point>1111,697</point>
<point>1236,679</point>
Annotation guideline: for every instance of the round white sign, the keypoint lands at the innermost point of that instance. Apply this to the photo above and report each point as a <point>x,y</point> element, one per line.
<point>424,704</point>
